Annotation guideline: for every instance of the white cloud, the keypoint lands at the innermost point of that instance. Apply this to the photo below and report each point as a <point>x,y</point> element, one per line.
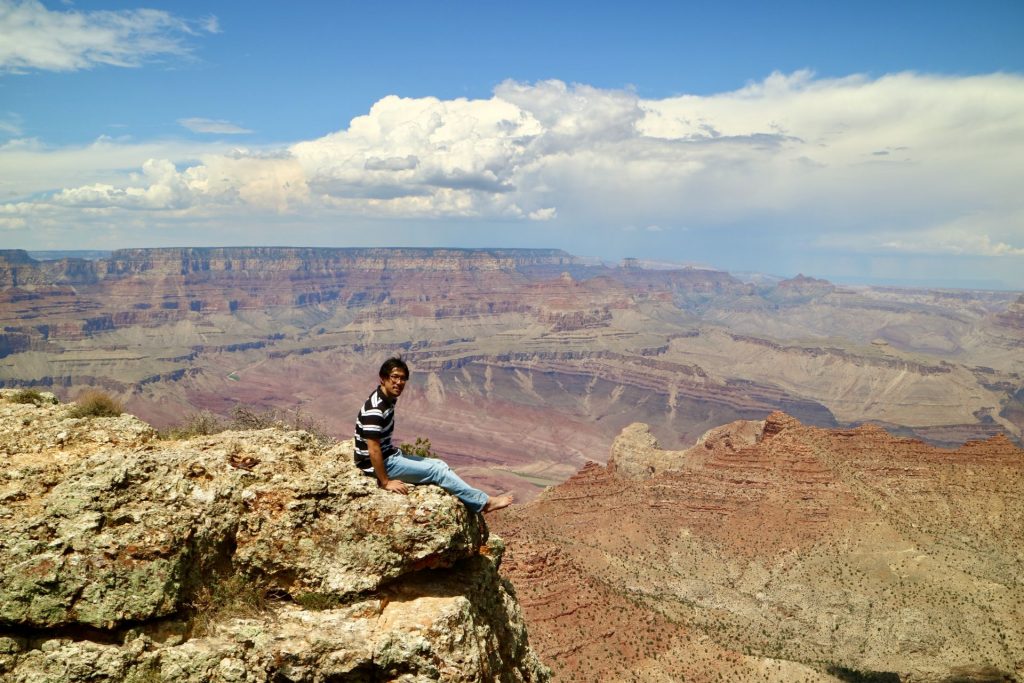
<point>200,125</point>
<point>989,234</point>
<point>10,124</point>
<point>210,24</point>
<point>791,151</point>
<point>42,169</point>
<point>956,244</point>
<point>34,37</point>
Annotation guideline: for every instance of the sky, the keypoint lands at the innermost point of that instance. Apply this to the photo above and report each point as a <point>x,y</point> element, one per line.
<point>868,142</point>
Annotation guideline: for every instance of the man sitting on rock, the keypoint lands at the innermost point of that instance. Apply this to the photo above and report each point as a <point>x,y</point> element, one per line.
<point>376,455</point>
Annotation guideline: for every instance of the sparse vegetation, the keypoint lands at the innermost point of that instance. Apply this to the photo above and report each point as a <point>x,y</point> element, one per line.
<point>235,596</point>
<point>26,396</point>
<point>420,447</point>
<point>248,418</point>
<point>33,396</point>
<point>318,601</point>
<point>96,403</point>
<point>854,676</point>
<point>202,423</point>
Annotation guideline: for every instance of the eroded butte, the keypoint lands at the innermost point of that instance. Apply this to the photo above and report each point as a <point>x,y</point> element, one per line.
<point>777,551</point>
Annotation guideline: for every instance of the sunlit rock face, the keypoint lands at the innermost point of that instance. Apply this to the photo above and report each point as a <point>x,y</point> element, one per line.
<point>772,550</point>
<point>246,555</point>
<point>526,362</point>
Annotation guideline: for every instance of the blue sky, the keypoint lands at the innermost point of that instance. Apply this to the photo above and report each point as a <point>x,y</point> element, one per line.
<point>868,142</point>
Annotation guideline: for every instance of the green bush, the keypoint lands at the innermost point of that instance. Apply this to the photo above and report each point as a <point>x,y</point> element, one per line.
<point>96,403</point>
<point>318,601</point>
<point>421,448</point>
<point>27,396</point>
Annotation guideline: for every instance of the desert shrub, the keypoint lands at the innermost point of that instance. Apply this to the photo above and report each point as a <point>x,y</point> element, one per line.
<point>247,417</point>
<point>244,417</point>
<point>96,403</point>
<point>27,396</point>
<point>202,423</point>
<point>420,447</point>
<point>250,417</point>
<point>235,596</point>
<point>317,601</point>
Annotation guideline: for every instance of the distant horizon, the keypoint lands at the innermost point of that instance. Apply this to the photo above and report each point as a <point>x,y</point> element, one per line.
<point>745,276</point>
<point>867,142</point>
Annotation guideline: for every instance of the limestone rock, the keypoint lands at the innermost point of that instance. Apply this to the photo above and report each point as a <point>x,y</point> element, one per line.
<point>119,539</point>
<point>637,455</point>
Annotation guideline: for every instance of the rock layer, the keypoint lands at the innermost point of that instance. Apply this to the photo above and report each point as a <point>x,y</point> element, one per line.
<point>776,551</point>
<point>506,343</point>
<point>128,557</point>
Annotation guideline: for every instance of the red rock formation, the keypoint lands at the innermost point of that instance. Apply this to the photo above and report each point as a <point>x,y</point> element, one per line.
<point>834,550</point>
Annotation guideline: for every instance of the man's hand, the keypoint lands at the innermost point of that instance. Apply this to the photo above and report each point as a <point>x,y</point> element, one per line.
<point>396,486</point>
<point>377,460</point>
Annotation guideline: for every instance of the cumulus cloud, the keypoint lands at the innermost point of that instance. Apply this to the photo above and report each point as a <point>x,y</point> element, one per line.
<point>791,150</point>
<point>406,163</point>
<point>200,125</point>
<point>35,37</point>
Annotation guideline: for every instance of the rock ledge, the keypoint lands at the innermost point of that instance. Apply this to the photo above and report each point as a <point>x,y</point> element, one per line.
<point>242,556</point>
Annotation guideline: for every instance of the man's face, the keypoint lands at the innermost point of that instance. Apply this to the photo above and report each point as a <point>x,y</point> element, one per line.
<point>394,383</point>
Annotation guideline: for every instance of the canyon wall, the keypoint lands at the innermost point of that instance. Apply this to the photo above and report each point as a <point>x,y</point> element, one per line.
<point>776,551</point>
<point>526,363</point>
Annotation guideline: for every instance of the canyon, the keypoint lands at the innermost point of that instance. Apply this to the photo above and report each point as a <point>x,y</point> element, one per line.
<point>773,550</point>
<point>526,363</point>
<point>716,479</point>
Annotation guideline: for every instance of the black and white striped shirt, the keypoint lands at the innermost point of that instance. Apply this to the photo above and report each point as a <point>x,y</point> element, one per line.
<point>376,421</point>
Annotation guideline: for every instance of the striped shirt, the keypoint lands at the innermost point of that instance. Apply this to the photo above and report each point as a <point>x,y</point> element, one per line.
<point>376,421</point>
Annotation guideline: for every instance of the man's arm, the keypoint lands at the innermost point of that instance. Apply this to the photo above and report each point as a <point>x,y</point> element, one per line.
<point>377,460</point>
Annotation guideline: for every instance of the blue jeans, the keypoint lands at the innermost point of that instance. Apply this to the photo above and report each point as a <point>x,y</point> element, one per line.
<point>412,469</point>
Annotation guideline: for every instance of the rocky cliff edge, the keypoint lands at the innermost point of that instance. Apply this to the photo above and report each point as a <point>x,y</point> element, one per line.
<point>241,556</point>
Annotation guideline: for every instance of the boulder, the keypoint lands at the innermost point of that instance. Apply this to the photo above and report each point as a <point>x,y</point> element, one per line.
<point>241,556</point>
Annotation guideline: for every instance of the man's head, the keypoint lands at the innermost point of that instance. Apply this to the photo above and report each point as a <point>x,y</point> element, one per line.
<point>394,373</point>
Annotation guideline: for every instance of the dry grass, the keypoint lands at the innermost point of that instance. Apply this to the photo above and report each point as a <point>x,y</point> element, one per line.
<point>32,396</point>
<point>96,403</point>
<point>233,597</point>
<point>250,418</point>
<point>202,423</point>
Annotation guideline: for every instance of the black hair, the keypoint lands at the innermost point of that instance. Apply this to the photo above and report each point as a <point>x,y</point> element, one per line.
<point>392,363</point>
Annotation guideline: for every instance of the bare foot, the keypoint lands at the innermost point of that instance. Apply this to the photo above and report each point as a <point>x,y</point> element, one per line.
<point>498,502</point>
